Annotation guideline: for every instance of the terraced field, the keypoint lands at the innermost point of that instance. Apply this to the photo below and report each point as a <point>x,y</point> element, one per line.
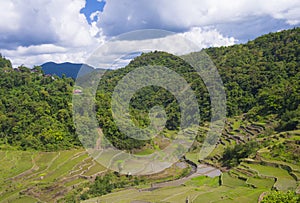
<point>237,131</point>
<point>284,181</point>
<point>237,185</point>
<point>244,183</point>
<point>199,189</point>
<point>49,176</point>
<point>43,176</point>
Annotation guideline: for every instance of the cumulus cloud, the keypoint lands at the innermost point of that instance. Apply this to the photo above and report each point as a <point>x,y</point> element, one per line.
<point>207,37</point>
<point>44,48</point>
<point>45,29</point>
<point>37,55</point>
<point>177,15</point>
<point>41,22</point>
<point>36,31</point>
<point>119,51</point>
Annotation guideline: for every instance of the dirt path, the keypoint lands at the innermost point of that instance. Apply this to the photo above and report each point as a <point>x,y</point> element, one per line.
<point>261,196</point>
<point>98,142</point>
<point>202,170</point>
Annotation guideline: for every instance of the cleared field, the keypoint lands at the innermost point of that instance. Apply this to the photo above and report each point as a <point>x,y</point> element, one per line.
<point>96,168</point>
<point>49,176</point>
<point>284,181</point>
<point>203,181</point>
<point>23,199</point>
<point>232,182</point>
<point>193,157</point>
<point>63,167</point>
<point>181,193</point>
<point>244,183</point>
<point>15,163</point>
<point>261,182</point>
<point>199,189</point>
<point>224,194</point>
<point>42,176</point>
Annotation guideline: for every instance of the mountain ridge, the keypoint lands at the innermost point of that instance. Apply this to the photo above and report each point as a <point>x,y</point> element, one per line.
<point>66,68</point>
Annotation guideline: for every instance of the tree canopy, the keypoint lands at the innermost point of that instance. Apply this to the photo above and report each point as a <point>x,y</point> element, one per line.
<point>260,77</point>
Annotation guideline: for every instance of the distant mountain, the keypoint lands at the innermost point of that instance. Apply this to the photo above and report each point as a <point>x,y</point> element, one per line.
<point>69,69</point>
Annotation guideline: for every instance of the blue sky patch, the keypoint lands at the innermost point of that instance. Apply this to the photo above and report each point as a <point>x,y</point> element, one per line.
<point>92,6</point>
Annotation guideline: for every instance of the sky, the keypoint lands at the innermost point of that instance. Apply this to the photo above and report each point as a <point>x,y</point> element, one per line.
<point>33,32</point>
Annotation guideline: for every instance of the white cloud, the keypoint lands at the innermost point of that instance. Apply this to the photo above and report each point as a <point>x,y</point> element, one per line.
<point>32,50</point>
<point>44,20</point>
<point>112,54</point>
<point>127,15</point>
<point>36,31</point>
<point>58,55</point>
<point>206,37</point>
<point>292,16</point>
<point>45,29</point>
<point>9,17</point>
<point>70,26</point>
<point>94,15</point>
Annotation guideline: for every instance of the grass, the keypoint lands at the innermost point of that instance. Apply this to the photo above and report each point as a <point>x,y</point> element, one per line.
<point>145,152</point>
<point>24,199</point>
<point>199,189</point>
<point>267,158</point>
<point>81,167</point>
<point>2,155</point>
<point>241,194</point>
<point>284,181</point>
<point>74,182</point>
<point>232,182</point>
<point>97,168</point>
<point>236,125</point>
<point>203,181</point>
<point>218,150</point>
<point>9,194</point>
<point>179,194</point>
<point>47,174</point>
<point>44,159</point>
<point>193,157</point>
<point>106,157</point>
<point>44,173</point>
<point>61,159</point>
<point>261,182</point>
<point>15,163</point>
<point>64,168</point>
<point>219,194</point>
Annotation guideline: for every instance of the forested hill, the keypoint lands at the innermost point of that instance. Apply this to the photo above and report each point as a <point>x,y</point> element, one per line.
<point>263,75</point>
<point>68,69</point>
<point>35,109</point>
<point>261,78</point>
